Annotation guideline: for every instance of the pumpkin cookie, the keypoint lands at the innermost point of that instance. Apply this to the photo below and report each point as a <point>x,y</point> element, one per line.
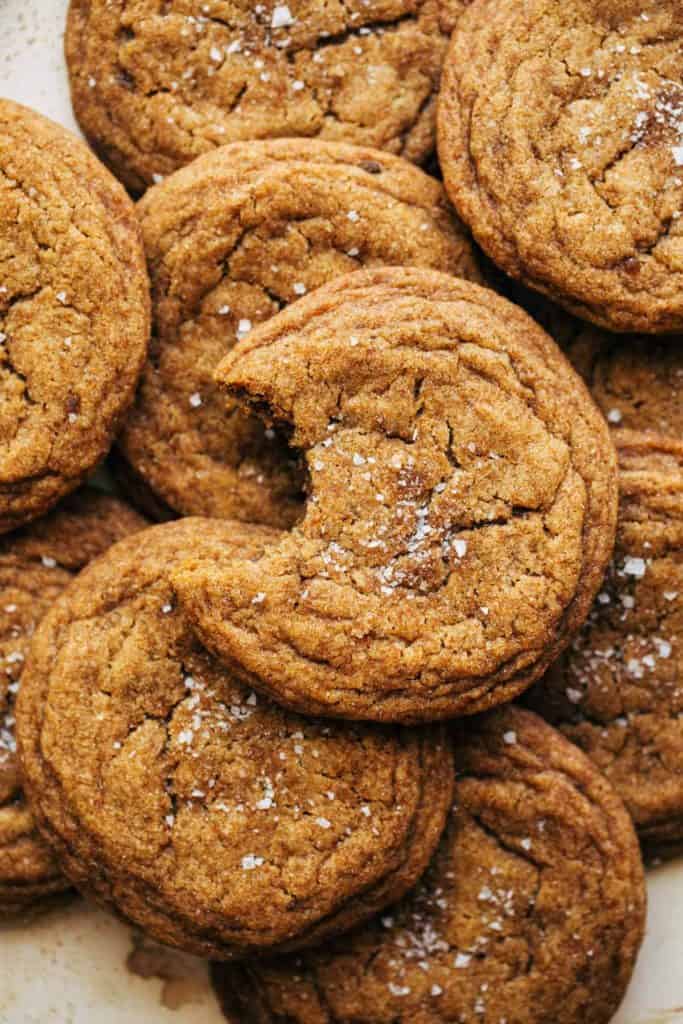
<point>36,563</point>
<point>74,312</point>
<point>211,818</point>
<point>635,379</point>
<point>532,910</point>
<point>461,507</point>
<point>154,86</point>
<point>617,690</point>
<point>561,144</point>
<point>230,240</point>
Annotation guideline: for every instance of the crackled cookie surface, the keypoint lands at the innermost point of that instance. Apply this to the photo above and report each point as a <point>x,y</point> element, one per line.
<point>74,312</point>
<point>203,813</point>
<point>460,508</point>
<point>36,563</point>
<point>617,690</point>
<point>494,931</point>
<point>230,241</point>
<point>155,85</point>
<point>561,143</point>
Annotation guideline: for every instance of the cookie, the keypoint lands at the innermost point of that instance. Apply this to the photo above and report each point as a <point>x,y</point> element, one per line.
<point>532,910</point>
<point>205,815</point>
<point>561,143</point>
<point>74,312</point>
<point>36,563</point>
<point>460,513</point>
<point>616,692</point>
<point>230,240</point>
<point>155,86</point>
<point>635,379</point>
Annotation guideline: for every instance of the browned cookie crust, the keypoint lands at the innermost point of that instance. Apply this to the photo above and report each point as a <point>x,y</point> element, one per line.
<point>74,312</point>
<point>36,563</point>
<point>230,240</point>
<point>155,85</point>
<point>561,143</point>
<point>617,691</point>
<point>461,505</point>
<point>532,910</point>
<point>635,379</point>
<point>207,816</point>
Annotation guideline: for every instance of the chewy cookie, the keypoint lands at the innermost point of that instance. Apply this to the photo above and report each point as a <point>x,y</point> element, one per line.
<point>636,380</point>
<point>617,690</point>
<point>154,86</point>
<point>561,144</point>
<point>532,910</point>
<point>230,240</point>
<point>36,563</point>
<point>211,818</point>
<point>74,312</point>
<point>460,512</point>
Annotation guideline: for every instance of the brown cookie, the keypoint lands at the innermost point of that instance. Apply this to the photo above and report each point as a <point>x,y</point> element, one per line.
<point>561,144</point>
<point>74,312</point>
<point>211,818</point>
<point>532,910</point>
<point>635,379</point>
<point>230,240</point>
<point>154,86</point>
<point>617,690</point>
<point>461,507</point>
<point>36,563</point>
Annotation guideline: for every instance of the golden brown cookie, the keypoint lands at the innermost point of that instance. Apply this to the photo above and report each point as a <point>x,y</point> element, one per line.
<point>635,379</point>
<point>230,240</point>
<point>617,690</point>
<point>561,144</point>
<point>532,910</point>
<point>154,86</point>
<point>204,814</point>
<point>74,312</point>
<point>36,563</point>
<point>460,512</point>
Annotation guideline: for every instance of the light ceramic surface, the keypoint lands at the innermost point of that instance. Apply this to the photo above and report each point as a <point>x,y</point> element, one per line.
<point>70,966</point>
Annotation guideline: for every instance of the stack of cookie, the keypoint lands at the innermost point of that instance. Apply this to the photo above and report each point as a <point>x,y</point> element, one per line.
<point>276,729</point>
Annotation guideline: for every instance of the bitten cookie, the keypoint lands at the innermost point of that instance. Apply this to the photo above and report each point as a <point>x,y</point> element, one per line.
<point>460,512</point>
<point>36,563</point>
<point>532,910</point>
<point>74,312</point>
<point>561,144</point>
<point>230,240</point>
<point>617,690</point>
<point>211,818</point>
<point>154,86</point>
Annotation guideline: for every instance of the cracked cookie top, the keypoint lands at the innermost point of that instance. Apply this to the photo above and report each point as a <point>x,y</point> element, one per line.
<point>231,240</point>
<point>617,690</point>
<point>561,144</point>
<point>460,509</point>
<point>155,85</point>
<point>205,814</point>
<point>74,312</point>
<point>36,563</point>
<point>495,931</point>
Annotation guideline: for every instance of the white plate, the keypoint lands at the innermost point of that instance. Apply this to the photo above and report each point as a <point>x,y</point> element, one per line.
<point>69,967</point>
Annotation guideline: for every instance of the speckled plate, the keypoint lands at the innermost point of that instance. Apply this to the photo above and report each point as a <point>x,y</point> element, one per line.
<point>75,964</point>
